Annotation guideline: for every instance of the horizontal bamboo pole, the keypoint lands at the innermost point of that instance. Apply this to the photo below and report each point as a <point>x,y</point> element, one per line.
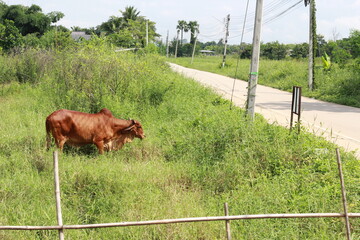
<point>182,220</point>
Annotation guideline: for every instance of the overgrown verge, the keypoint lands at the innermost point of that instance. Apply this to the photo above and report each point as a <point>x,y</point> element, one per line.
<point>198,154</point>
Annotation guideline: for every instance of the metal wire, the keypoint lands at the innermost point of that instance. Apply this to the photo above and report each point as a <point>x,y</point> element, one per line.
<point>240,51</point>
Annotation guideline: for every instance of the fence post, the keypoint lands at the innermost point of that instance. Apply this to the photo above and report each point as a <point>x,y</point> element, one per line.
<point>343,193</point>
<point>57,195</point>
<point>227,222</point>
<point>295,106</point>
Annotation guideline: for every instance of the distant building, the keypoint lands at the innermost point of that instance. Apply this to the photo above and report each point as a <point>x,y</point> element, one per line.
<point>77,35</point>
<point>184,41</point>
<point>207,52</point>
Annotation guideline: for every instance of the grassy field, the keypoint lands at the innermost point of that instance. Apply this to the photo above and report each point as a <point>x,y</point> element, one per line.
<point>339,85</point>
<point>198,154</point>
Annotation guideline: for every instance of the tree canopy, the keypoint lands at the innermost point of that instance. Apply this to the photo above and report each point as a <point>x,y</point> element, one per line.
<point>129,29</point>
<point>29,19</point>
<point>21,25</point>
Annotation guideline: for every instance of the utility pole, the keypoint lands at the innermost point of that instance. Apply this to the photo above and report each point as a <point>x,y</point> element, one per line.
<point>167,44</point>
<point>177,43</point>
<point>254,68</point>
<point>226,38</point>
<point>193,53</point>
<point>311,44</point>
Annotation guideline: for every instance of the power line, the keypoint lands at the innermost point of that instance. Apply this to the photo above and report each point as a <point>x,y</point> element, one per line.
<point>283,12</point>
<point>269,19</point>
<point>269,8</point>
<point>240,51</point>
<point>271,12</point>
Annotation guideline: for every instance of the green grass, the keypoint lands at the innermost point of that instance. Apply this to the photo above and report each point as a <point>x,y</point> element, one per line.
<point>198,154</point>
<point>339,85</point>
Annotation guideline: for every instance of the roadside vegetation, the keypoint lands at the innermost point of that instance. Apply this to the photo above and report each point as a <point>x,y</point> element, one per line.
<point>198,154</point>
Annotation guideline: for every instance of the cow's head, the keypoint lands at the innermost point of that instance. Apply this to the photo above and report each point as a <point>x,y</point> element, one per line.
<point>136,129</point>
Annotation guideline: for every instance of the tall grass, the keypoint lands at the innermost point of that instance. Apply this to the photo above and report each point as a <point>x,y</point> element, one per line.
<point>197,155</point>
<point>341,84</point>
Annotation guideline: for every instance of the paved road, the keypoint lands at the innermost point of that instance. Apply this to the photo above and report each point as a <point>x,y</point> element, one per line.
<point>338,123</point>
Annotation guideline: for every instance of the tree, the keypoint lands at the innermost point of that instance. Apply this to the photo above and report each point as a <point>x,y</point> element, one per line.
<point>274,50</point>
<point>10,36</point>
<point>130,13</point>
<point>116,24</point>
<point>182,27</point>
<point>246,51</point>
<point>55,16</point>
<point>30,19</point>
<point>113,25</point>
<point>321,43</point>
<point>194,30</point>
<point>129,30</point>
<point>300,51</point>
<point>338,54</point>
<point>134,34</point>
<point>3,8</point>
<point>354,43</point>
<point>55,39</point>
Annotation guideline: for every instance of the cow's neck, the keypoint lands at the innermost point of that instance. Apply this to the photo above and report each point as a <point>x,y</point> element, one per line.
<point>119,124</point>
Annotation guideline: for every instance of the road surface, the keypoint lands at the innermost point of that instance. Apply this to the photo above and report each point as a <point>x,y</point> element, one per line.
<point>337,123</point>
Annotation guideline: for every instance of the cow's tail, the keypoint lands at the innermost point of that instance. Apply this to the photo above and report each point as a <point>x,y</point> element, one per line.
<point>48,134</point>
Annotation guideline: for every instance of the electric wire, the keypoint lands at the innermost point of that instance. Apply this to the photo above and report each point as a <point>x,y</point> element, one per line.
<point>238,60</point>
<point>268,15</point>
<point>269,19</point>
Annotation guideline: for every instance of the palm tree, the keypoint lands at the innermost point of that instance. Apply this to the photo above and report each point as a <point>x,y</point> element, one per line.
<point>182,27</point>
<point>130,13</point>
<point>194,29</point>
<point>114,24</point>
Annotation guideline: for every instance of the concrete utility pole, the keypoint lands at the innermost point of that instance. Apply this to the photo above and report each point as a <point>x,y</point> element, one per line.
<point>311,46</point>
<point>177,43</point>
<point>167,44</point>
<point>254,68</point>
<point>226,38</point>
<point>193,53</point>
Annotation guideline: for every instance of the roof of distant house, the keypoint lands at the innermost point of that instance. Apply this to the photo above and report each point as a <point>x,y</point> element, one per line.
<point>206,51</point>
<point>76,35</point>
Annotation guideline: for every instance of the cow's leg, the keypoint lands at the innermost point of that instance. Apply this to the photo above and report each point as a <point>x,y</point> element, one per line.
<point>59,138</point>
<point>61,144</point>
<point>100,146</point>
<point>48,141</point>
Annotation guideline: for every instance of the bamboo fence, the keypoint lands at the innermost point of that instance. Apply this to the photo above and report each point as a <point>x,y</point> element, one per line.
<point>60,227</point>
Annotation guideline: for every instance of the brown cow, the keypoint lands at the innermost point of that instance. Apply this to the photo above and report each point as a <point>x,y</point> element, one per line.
<point>102,129</point>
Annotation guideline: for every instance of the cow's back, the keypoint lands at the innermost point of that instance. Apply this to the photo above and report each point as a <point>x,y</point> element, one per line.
<point>77,127</point>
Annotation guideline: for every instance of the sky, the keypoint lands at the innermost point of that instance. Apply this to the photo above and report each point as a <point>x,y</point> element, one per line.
<point>285,21</point>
